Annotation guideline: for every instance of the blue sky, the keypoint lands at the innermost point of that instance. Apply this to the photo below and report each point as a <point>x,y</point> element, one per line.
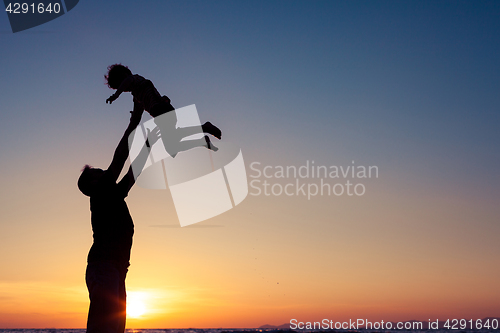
<point>422,74</point>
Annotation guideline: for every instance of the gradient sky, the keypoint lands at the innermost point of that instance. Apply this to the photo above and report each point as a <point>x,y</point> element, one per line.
<point>409,86</point>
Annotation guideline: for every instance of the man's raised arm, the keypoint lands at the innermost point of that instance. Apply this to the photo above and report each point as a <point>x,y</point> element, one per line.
<point>122,151</point>
<point>138,163</point>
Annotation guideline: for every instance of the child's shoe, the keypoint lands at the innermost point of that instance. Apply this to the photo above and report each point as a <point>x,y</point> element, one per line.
<point>209,128</point>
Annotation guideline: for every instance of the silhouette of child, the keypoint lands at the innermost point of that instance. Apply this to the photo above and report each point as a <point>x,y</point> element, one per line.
<point>120,77</point>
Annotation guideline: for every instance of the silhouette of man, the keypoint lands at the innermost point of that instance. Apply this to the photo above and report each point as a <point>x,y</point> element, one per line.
<point>113,228</point>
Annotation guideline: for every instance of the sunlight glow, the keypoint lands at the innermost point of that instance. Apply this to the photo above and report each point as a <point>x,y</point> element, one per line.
<point>136,304</point>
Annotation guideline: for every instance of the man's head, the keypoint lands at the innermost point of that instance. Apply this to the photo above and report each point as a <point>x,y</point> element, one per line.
<point>89,179</point>
<point>116,74</point>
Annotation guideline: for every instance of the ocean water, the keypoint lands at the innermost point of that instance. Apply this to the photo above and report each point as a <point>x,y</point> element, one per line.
<point>242,330</point>
<point>187,330</point>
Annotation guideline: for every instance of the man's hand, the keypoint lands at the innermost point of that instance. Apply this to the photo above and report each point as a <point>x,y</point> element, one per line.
<point>121,152</point>
<point>152,136</point>
<point>111,99</point>
<point>136,114</point>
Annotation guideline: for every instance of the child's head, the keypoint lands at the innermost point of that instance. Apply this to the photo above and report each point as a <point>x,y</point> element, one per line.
<point>88,179</point>
<point>116,74</point>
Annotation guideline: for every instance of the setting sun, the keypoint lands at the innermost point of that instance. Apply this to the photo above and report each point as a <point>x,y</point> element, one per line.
<point>136,305</point>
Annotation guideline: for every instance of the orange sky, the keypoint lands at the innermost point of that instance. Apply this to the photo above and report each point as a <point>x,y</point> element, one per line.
<point>269,260</point>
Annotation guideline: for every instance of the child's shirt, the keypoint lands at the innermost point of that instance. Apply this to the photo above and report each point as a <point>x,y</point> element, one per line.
<point>142,89</point>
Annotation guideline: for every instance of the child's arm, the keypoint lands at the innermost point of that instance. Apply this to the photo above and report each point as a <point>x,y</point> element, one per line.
<point>126,85</point>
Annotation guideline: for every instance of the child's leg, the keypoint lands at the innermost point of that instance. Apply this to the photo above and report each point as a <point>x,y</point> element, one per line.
<point>188,131</point>
<point>205,128</point>
<point>172,136</point>
<point>190,144</point>
<point>165,107</point>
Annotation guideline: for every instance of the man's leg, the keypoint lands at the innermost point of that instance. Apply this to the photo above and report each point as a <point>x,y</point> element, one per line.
<point>122,294</point>
<point>103,281</point>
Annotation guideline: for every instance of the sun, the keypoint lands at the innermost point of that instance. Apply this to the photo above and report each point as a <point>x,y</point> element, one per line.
<point>136,305</point>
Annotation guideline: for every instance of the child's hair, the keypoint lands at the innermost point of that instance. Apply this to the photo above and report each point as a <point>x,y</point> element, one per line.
<point>116,74</point>
<point>85,181</point>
